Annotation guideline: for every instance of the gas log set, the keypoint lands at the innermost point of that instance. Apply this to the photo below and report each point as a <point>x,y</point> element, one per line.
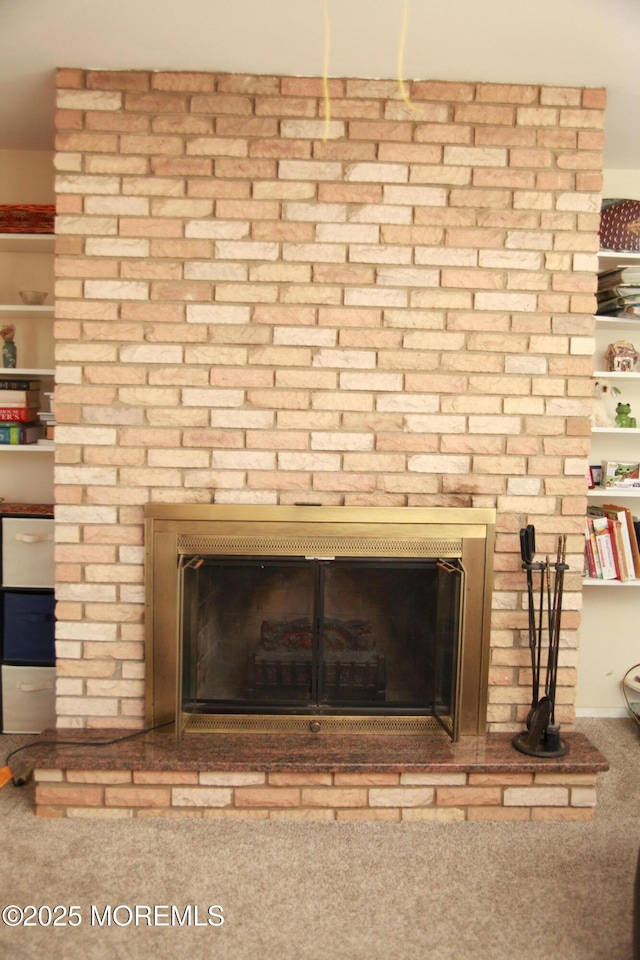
<point>542,736</point>
<point>282,664</point>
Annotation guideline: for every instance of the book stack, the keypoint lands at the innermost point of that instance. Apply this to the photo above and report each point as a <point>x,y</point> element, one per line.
<point>48,420</point>
<point>619,292</point>
<point>19,404</point>
<point>612,550</point>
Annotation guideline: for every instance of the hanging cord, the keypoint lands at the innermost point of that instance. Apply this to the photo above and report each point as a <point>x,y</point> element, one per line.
<point>325,69</point>
<point>325,72</point>
<point>20,781</point>
<point>403,38</point>
<point>623,686</point>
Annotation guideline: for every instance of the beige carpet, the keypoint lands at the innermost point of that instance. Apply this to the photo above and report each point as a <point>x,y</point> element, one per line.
<point>337,891</point>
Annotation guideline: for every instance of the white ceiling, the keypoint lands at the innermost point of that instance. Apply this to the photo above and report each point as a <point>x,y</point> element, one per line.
<point>558,42</point>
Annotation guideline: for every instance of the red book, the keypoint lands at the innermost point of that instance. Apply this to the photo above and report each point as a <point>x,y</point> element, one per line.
<point>18,414</point>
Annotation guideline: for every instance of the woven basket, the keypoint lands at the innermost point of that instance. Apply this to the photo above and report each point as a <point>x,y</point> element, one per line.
<point>27,218</point>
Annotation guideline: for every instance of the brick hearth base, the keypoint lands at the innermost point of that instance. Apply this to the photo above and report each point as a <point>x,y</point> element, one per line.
<point>364,777</point>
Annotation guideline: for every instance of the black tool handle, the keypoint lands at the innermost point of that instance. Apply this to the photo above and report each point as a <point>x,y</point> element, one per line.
<point>528,543</point>
<point>523,545</point>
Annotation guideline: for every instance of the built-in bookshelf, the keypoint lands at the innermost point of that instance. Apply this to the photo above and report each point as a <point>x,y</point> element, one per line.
<point>611,442</point>
<point>26,263</point>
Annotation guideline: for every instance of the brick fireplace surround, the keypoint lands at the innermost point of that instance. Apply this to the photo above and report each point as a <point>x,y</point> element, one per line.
<point>254,306</point>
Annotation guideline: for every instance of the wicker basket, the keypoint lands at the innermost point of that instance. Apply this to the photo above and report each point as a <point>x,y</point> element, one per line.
<point>27,218</point>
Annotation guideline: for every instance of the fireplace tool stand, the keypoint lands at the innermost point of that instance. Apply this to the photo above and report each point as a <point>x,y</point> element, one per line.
<point>542,736</point>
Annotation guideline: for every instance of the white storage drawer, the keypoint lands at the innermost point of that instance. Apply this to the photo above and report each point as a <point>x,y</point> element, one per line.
<point>28,699</point>
<point>27,552</point>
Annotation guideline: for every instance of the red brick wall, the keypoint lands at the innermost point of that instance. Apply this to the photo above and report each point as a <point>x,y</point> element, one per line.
<point>255,307</point>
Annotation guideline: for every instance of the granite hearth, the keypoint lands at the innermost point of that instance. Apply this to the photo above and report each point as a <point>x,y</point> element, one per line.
<point>357,777</point>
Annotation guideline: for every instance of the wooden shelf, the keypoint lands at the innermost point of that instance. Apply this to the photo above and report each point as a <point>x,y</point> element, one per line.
<point>592,582</point>
<point>26,448</point>
<point>614,492</point>
<point>615,375</point>
<point>616,430</point>
<point>620,256</point>
<point>19,310</point>
<point>15,373</point>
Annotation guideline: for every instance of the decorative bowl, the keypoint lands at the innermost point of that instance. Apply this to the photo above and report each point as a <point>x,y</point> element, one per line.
<point>33,298</point>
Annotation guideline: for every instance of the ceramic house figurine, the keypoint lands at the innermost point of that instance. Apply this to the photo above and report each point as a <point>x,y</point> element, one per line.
<point>621,356</point>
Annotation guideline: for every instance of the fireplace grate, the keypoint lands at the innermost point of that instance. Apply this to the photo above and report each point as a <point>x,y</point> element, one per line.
<point>217,723</point>
<point>317,546</point>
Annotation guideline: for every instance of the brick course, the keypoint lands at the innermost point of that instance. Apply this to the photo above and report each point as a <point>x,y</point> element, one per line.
<point>310,796</point>
<point>247,312</point>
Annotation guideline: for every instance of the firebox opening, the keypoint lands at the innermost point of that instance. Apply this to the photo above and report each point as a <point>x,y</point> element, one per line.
<point>319,636</point>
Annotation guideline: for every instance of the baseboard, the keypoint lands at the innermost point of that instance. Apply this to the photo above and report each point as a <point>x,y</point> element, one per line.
<point>601,712</point>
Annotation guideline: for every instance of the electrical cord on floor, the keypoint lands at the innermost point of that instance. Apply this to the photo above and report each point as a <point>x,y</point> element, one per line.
<point>6,774</point>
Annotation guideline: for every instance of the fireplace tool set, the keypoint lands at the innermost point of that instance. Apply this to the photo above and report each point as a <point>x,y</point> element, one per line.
<point>542,736</point>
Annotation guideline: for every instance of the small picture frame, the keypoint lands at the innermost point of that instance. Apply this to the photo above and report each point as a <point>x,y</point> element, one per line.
<point>595,472</point>
<point>590,481</point>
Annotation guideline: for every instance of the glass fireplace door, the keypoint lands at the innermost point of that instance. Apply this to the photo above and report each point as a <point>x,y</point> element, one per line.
<point>247,629</point>
<point>347,635</point>
<point>402,623</point>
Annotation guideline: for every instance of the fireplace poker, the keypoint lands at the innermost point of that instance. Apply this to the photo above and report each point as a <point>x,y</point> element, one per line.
<point>542,566</point>
<point>554,642</point>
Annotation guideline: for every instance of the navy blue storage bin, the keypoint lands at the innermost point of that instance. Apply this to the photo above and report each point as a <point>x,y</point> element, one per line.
<point>29,628</point>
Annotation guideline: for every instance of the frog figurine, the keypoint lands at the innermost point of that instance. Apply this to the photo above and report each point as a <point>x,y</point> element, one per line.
<point>622,416</point>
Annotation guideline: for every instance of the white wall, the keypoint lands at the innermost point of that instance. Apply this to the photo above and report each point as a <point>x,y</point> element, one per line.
<point>26,176</point>
<point>624,184</point>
